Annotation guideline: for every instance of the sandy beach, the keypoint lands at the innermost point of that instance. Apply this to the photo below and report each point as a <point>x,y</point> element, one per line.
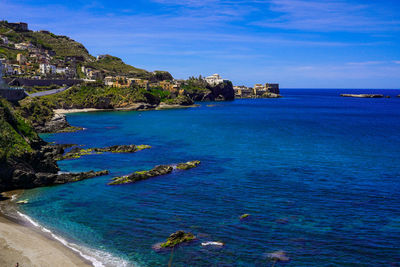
<point>162,106</point>
<point>65,111</point>
<point>22,244</point>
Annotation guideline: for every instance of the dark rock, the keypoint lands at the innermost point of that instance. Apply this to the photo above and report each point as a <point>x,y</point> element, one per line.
<point>220,92</point>
<point>57,124</point>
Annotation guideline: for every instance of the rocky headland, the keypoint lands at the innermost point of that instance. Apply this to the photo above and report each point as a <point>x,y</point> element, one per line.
<point>26,161</point>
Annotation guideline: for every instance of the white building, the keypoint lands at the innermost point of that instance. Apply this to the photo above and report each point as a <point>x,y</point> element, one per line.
<point>23,46</point>
<point>109,81</point>
<point>214,79</point>
<point>60,70</point>
<point>4,39</point>
<point>47,68</point>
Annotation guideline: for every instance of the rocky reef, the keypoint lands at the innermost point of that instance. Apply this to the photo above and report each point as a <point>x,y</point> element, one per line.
<point>362,95</point>
<point>156,171</point>
<point>142,175</point>
<point>270,95</point>
<point>177,238</point>
<point>77,152</point>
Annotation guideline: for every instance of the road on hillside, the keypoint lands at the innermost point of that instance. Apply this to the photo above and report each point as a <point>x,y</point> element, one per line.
<point>49,92</point>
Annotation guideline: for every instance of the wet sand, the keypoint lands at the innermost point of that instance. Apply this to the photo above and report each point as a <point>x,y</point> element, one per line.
<point>22,244</point>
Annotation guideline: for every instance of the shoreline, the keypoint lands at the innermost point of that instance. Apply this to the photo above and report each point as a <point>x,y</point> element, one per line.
<point>23,242</point>
<point>159,107</point>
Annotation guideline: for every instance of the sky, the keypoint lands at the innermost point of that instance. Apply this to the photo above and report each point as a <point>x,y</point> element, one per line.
<point>297,43</point>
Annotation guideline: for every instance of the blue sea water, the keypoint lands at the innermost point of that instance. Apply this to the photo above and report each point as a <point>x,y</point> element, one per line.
<point>319,174</point>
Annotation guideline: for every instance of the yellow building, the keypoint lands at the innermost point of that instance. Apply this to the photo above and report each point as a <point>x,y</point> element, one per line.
<point>21,59</point>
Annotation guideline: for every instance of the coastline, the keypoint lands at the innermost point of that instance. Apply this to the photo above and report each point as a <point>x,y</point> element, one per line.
<point>19,242</point>
<point>135,108</point>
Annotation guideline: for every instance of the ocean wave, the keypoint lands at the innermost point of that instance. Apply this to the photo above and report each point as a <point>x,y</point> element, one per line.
<point>91,255</point>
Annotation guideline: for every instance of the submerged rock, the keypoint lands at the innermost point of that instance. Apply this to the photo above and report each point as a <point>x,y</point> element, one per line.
<point>156,171</point>
<point>188,165</point>
<point>244,216</point>
<point>177,238</point>
<point>278,256</point>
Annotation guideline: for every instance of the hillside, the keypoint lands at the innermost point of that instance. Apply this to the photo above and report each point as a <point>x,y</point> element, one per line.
<point>16,135</point>
<point>63,47</point>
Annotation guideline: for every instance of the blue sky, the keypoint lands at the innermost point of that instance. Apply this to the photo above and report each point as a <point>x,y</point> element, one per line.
<point>298,43</point>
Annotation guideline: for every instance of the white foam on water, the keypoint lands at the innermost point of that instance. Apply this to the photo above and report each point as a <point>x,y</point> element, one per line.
<point>212,243</point>
<point>84,252</point>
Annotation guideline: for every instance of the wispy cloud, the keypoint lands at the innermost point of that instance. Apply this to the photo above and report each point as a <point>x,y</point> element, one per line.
<point>366,63</point>
<point>293,45</point>
<point>326,16</point>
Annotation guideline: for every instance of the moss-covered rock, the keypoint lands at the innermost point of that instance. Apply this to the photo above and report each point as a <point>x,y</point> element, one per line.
<point>142,175</point>
<point>77,152</point>
<point>178,238</point>
<point>156,171</point>
<point>188,165</point>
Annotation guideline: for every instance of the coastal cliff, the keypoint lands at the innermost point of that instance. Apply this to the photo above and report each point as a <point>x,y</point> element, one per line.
<point>26,161</point>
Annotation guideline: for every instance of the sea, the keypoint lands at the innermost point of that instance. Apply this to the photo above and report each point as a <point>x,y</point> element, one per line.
<point>318,174</point>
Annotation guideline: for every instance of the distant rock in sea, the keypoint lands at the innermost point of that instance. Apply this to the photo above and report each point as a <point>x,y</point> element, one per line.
<point>363,95</point>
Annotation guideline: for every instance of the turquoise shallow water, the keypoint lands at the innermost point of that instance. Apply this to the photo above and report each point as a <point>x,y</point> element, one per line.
<point>319,174</point>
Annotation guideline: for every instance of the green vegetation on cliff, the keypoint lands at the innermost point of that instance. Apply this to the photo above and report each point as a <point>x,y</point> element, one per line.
<point>16,134</point>
<point>64,47</point>
<point>115,66</point>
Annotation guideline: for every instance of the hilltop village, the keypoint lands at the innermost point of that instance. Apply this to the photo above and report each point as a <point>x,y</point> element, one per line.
<point>41,60</point>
